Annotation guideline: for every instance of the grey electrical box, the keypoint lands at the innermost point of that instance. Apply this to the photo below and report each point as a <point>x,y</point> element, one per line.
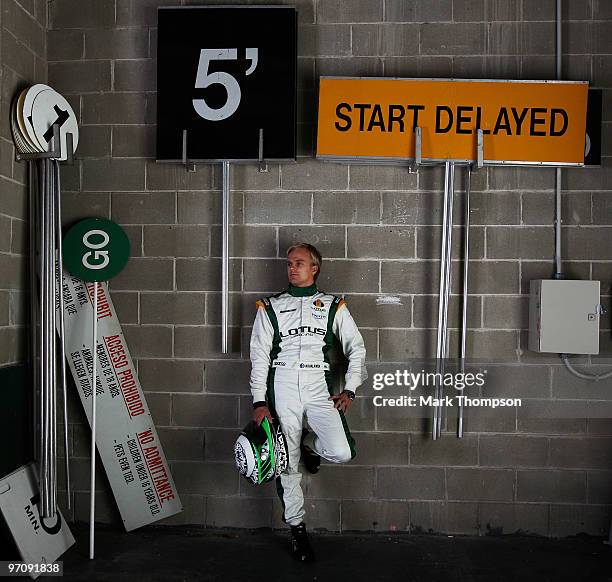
<point>564,316</point>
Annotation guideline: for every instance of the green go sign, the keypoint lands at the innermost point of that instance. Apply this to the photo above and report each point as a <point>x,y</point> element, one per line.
<point>95,249</point>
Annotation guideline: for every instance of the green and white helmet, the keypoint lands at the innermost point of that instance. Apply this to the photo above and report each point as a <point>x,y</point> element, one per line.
<point>261,452</point>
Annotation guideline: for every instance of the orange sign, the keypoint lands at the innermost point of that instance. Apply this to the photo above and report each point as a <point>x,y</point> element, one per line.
<point>523,122</point>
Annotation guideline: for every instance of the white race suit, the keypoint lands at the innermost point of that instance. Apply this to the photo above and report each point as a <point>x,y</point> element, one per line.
<point>292,336</point>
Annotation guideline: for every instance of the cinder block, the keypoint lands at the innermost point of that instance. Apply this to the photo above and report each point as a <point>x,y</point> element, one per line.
<point>429,242</point>
<point>171,375</point>
<point>424,451</point>
<point>241,308</point>
<point>206,208</point>
<point>106,508</point>
<point>503,38</point>
<point>379,449</point>
<point>443,517</point>
<point>495,208</point>
<point>313,175</point>
<point>13,201</point>
<point>552,416</point>
<point>381,516</point>
<point>64,45</point>
<point>143,207</point>
<point>530,179</point>
<point>520,242</point>
<point>24,27</point>
<point>357,11</point>
<point>159,407</point>
<point>349,66</point>
<point>4,308</point>
<point>426,311</point>
<point>324,39</point>
<point>602,70</point>
<point>245,241</point>
<point>205,274</point>
<point>566,385</point>
<point>479,420</point>
<point>94,141</point>
<point>135,75</point>
<point>134,235</point>
<point>153,341</point>
<point>101,175</point>
<point>5,236</point>
<point>182,444</point>
<point>140,12</point>
<point>136,141</point>
<point>172,308</point>
<point>581,453</point>
<point>587,243</point>
<point>506,312</point>
<point>146,274</point>
<point>82,14</point>
<point>174,177</point>
<point>468,10</point>
<point>126,305</point>
<point>587,178</point>
<point>552,486</point>
<point>480,484</point>
<point>567,520</point>
<point>339,481</point>
<point>412,208</point>
<point>204,410</point>
<point>391,242</point>
<point>81,76</point>
<point>493,277</point>
<point>520,381</point>
<point>329,240</point>
<point>219,446</point>
<point>410,277</point>
<point>176,241</point>
<point>278,208</point>
<point>194,512</point>
<point>599,487</point>
<point>349,276</point>
<point>385,39</point>
<point>203,342</point>
<point>12,345</point>
<point>116,43</point>
<point>244,177</point>
<point>228,376</point>
<point>410,483</point>
<point>381,177</point>
<point>17,57</point>
<point>13,269</point>
<point>346,207</point>
<point>205,478</point>
<point>369,312</point>
<point>513,518</point>
<point>115,108</point>
<point>452,39</point>
<point>513,451</point>
<point>537,38</point>
<point>238,512</point>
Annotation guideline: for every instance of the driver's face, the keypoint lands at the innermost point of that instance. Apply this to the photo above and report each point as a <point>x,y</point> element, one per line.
<point>300,269</point>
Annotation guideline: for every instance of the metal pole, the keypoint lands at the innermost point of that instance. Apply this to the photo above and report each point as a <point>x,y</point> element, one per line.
<point>52,340</point>
<point>558,67</point>
<point>33,301</point>
<point>62,329</point>
<point>92,499</point>
<point>450,180</point>
<point>441,303</point>
<point>466,259</point>
<point>42,282</point>
<point>225,260</point>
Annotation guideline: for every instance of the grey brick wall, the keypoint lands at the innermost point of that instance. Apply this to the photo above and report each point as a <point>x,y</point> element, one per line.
<point>378,230</point>
<point>23,61</point>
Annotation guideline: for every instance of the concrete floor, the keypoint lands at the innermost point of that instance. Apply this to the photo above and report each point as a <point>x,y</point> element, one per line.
<point>172,554</point>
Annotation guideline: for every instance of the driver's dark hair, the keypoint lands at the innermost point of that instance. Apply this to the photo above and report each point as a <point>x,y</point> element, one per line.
<point>315,255</point>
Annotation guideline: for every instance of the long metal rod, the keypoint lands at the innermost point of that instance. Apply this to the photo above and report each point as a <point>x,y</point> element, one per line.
<point>466,262</point>
<point>225,260</point>
<point>62,328</point>
<point>441,302</point>
<point>42,459</point>
<point>558,177</point>
<point>52,339</point>
<point>450,180</point>
<point>46,478</point>
<point>92,499</point>
<point>33,301</point>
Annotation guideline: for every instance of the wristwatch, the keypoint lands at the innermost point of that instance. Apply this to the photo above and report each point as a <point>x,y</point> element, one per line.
<point>350,394</point>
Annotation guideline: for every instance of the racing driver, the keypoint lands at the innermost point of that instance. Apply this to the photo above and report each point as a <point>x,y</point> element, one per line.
<point>291,379</point>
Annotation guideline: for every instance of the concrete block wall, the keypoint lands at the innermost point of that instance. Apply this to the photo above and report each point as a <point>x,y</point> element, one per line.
<point>378,229</point>
<point>23,61</point>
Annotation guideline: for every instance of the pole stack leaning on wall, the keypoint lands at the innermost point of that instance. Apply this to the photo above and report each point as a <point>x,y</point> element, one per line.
<point>45,132</point>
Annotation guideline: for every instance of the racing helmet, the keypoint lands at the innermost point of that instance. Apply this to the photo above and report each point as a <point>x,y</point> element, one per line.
<point>261,452</point>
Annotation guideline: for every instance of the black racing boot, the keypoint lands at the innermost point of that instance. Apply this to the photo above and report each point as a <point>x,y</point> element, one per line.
<point>312,461</point>
<point>300,544</point>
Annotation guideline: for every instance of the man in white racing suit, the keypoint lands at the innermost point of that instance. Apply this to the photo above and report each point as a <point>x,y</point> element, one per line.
<point>291,379</point>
